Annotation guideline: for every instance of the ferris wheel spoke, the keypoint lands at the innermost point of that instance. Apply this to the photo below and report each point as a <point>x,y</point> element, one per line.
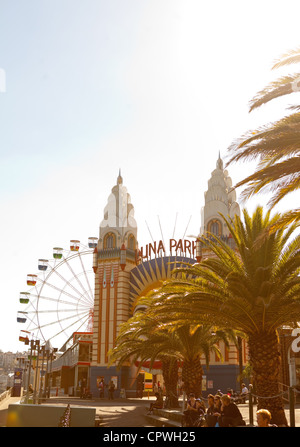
<point>37,328</point>
<point>49,311</point>
<point>86,278</point>
<point>61,297</point>
<point>71,325</point>
<point>48,298</point>
<point>74,274</point>
<point>62,291</point>
<point>83,299</point>
<point>68,283</point>
<point>59,321</point>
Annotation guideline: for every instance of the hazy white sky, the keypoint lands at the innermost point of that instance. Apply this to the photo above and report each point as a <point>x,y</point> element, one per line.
<point>156,88</point>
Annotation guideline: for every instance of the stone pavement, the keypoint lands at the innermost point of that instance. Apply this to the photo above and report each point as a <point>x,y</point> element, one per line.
<point>128,412</point>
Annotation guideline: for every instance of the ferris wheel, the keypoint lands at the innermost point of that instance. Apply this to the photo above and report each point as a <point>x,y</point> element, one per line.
<point>60,297</point>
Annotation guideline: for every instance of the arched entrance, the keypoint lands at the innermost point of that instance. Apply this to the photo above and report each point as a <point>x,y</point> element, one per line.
<point>150,275</point>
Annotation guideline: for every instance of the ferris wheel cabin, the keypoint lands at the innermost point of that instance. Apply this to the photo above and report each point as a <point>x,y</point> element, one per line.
<point>43,264</point>
<point>24,337</point>
<point>57,252</point>
<point>24,297</point>
<point>31,279</point>
<point>21,317</point>
<point>74,245</point>
<point>93,241</point>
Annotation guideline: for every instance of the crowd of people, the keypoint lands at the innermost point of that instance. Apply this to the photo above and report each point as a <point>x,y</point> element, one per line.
<point>220,412</point>
<point>110,389</point>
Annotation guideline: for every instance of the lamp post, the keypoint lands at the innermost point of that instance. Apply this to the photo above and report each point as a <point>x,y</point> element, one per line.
<point>52,357</point>
<point>42,373</point>
<point>34,344</point>
<point>47,352</point>
<point>37,347</point>
<point>25,379</point>
<point>21,361</point>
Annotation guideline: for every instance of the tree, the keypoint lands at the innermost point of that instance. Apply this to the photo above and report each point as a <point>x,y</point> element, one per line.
<point>276,145</point>
<point>193,341</point>
<point>141,340</point>
<point>144,337</point>
<point>253,288</point>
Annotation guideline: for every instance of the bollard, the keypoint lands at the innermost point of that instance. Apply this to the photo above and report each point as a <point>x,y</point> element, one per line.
<point>292,406</point>
<point>183,401</point>
<point>250,407</point>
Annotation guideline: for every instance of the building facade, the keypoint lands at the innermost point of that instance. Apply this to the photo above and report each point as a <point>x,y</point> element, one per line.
<point>123,273</point>
<point>114,258</point>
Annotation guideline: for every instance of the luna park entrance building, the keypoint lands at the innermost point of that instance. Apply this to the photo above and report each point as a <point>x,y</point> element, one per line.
<point>124,272</point>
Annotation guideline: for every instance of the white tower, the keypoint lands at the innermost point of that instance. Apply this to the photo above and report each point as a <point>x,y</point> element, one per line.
<point>114,257</point>
<point>219,198</point>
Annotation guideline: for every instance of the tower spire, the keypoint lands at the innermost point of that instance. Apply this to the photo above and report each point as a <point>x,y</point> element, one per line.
<point>220,162</point>
<point>119,179</point>
<point>219,199</point>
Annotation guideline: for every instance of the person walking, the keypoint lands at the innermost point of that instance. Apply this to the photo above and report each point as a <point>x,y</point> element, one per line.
<point>111,389</point>
<point>244,393</point>
<point>101,389</point>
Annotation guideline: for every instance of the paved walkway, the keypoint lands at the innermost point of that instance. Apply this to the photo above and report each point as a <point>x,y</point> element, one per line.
<point>3,408</point>
<point>121,412</point>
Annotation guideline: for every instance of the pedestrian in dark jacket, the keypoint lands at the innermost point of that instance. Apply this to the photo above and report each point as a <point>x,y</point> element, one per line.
<point>230,414</point>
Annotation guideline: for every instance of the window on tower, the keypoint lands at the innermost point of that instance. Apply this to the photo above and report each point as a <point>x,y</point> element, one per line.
<point>109,241</point>
<point>215,227</point>
<point>131,242</point>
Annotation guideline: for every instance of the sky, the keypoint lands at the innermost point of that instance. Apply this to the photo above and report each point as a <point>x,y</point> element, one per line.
<point>156,88</point>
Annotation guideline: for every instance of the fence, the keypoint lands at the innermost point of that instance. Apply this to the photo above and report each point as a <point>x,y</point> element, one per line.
<point>287,393</point>
<point>5,394</point>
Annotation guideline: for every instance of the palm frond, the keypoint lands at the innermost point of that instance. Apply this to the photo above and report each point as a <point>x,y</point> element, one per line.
<point>288,58</point>
<point>281,87</point>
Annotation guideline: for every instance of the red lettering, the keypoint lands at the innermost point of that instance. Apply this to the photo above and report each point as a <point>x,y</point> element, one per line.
<point>142,253</point>
<point>160,247</point>
<point>194,245</point>
<point>187,247</point>
<point>152,248</point>
<point>179,246</point>
<point>172,245</point>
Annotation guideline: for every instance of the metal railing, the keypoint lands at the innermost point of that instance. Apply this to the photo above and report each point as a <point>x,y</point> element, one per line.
<point>288,394</point>
<point>5,394</point>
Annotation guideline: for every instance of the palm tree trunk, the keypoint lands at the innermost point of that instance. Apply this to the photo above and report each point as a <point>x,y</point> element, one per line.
<point>265,360</point>
<point>170,376</point>
<point>192,373</point>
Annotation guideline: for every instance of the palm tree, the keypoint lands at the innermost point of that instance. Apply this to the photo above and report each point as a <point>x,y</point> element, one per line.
<point>140,340</point>
<point>145,338</point>
<point>253,288</point>
<point>276,145</point>
<point>193,341</point>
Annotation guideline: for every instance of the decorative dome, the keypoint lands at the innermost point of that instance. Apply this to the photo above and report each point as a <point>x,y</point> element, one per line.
<point>219,198</point>
<point>118,214</point>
